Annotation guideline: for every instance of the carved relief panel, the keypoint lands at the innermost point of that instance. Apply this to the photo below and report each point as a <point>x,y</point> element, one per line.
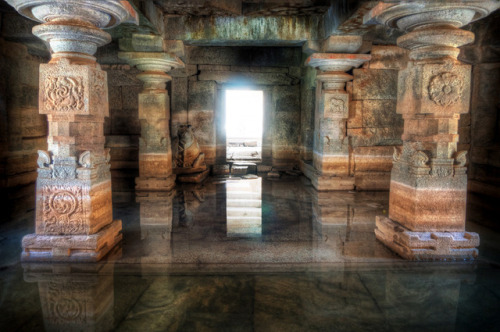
<point>72,90</point>
<point>445,89</point>
<point>62,210</point>
<point>335,105</point>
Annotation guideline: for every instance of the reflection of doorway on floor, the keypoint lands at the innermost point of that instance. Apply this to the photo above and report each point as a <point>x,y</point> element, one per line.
<point>244,122</point>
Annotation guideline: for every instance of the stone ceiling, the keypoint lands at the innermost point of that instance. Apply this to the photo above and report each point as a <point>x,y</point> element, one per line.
<point>243,7</point>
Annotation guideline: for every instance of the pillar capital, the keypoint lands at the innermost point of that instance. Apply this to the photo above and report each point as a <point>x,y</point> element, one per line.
<point>73,28</point>
<point>432,27</point>
<point>153,66</point>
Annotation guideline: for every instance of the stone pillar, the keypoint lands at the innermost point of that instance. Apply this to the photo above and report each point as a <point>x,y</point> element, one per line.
<point>428,180</point>
<point>74,220</point>
<point>155,151</point>
<point>331,144</point>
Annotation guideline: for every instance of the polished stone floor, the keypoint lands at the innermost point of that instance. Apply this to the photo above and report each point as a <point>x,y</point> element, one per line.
<point>249,255</point>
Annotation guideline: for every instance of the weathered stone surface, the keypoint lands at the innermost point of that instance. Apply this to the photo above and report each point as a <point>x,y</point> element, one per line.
<point>245,56</point>
<point>426,245</point>
<point>375,136</point>
<point>241,30</point>
<point>71,248</point>
<point>372,180</point>
<point>388,57</point>
<point>250,78</point>
<point>373,158</point>
<point>380,114</point>
<point>375,84</point>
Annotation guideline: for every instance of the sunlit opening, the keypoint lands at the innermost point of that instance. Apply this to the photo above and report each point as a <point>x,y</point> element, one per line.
<point>244,122</point>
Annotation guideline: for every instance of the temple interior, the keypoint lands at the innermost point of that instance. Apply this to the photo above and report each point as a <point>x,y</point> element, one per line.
<point>250,165</point>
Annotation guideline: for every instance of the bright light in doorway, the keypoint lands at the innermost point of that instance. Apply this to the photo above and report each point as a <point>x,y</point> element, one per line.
<point>244,122</point>
<point>244,109</point>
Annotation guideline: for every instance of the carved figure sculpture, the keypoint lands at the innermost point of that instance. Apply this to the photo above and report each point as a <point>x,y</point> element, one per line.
<point>189,154</point>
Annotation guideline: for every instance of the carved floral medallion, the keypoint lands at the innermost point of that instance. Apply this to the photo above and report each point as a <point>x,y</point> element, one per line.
<point>445,89</point>
<point>63,210</point>
<point>64,94</point>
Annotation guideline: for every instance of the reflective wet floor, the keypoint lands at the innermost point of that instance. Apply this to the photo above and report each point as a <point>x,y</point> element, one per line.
<point>250,255</point>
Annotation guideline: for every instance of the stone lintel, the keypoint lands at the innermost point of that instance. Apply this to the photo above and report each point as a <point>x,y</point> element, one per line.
<point>426,246</point>
<point>71,248</point>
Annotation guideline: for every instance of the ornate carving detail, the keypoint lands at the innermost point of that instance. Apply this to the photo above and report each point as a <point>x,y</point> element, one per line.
<point>336,106</point>
<point>461,158</point>
<point>420,159</point>
<point>441,171</point>
<point>107,155</point>
<point>62,210</point>
<point>64,94</point>
<point>396,156</point>
<point>86,159</point>
<point>44,159</point>
<point>445,89</point>
<point>64,172</point>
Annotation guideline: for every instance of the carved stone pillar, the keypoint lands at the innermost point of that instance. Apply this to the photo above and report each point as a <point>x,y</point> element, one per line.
<point>155,151</point>
<point>74,220</point>
<point>331,144</point>
<point>428,180</point>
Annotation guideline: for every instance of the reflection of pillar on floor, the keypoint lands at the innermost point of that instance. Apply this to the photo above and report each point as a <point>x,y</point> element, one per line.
<point>74,219</point>
<point>156,215</point>
<point>155,151</point>
<point>74,298</point>
<point>428,179</point>
<point>331,213</point>
<point>331,144</point>
<point>412,291</point>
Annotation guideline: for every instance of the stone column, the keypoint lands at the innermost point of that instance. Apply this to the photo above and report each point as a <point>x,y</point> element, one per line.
<point>155,151</point>
<point>428,180</point>
<point>331,144</point>
<point>74,220</point>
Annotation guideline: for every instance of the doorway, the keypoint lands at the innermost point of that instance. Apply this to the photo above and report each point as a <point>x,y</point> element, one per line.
<point>244,124</point>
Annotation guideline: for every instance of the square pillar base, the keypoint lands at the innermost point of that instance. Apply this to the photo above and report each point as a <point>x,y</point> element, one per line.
<point>426,246</point>
<point>155,184</point>
<point>71,248</point>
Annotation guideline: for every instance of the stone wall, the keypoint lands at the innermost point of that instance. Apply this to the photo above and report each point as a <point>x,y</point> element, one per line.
<point>198,97</point>
<point>481,130</point>
<point>374,128</point>
<point>22,130</point>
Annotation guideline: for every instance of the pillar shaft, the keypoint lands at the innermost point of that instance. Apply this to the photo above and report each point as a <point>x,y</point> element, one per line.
<point>74,220</point>
<point>331,144</point>
<point>428,181</point>
<point>155,151</point>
